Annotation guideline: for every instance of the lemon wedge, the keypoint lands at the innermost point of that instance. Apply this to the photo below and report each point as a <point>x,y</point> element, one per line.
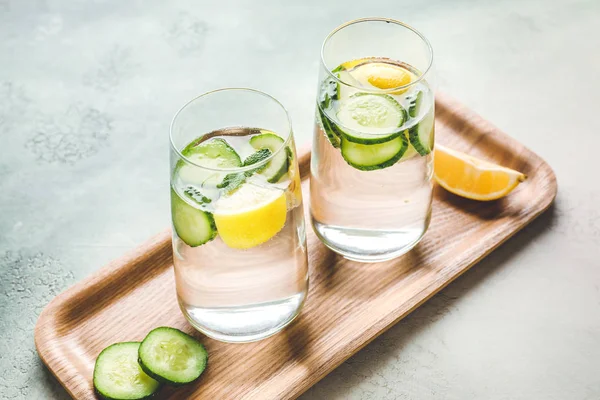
<point>250,216</point>
<point>473,178</point>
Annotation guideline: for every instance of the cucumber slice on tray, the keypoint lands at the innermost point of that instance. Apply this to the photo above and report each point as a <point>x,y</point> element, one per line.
<point>279,164</point>
<point>195,227</point>
<point>172,357</point>
<point>118,376</point>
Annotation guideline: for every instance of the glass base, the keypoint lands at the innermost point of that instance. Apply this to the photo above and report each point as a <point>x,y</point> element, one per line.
<point>246,323</point>
<point>368,246</point>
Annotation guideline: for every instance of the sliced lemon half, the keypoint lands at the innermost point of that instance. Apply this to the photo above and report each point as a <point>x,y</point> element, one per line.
<point>382,75</point>
<point>250,216</point>
<point>471,177</point>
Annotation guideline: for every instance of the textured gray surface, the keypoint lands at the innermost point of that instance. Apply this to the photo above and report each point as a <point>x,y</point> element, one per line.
<point>88,88</point>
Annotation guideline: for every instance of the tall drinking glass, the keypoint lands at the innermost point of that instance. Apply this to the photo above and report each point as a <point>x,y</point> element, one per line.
<point>372,164</point>
<point>239,243</point>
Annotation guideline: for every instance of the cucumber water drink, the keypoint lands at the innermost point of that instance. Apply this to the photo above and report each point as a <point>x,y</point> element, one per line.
<point>239,246</point>
<point>372,165</point>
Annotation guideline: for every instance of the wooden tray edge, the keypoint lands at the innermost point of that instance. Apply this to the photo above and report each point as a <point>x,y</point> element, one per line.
<point>48,318</point>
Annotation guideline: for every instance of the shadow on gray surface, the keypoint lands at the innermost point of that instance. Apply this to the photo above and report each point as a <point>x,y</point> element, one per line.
<point>434,309</point>
<point>52,384</point>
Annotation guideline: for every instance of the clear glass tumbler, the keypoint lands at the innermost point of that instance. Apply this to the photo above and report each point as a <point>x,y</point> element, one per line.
<point>239,242</point>
<point>372,164</point>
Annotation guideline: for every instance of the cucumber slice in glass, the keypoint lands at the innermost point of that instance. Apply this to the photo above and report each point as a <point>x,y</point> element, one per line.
<point>171,356</point>
<point>195,227</point>
<point>345,91</point>
<point>410,151</point>
<point>421,135</point>
<point>415,104</point>
<point>279,164</point>
<point>368,157</point>
<point>332,134</point>
<point>118,376</point>
<point>214,153</point>
<point>370,118</point>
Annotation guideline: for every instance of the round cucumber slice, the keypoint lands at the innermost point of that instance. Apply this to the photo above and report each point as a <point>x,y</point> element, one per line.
<point>214,153</point>
<point>195,227</point>
<point>118,376</point>
<point>421,135</point>
<point>368,118</point>
<point>279,164</point>
<point>369,157</point>
<point>171,356</point>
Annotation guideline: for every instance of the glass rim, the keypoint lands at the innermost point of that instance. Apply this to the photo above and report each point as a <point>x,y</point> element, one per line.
<point>377,19</point>
<point>234,169</point>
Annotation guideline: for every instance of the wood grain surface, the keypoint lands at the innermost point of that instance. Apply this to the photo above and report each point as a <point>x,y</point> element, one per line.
<point>349,304</point>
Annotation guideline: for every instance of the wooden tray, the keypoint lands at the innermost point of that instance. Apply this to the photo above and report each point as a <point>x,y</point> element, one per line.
<point>349,304</point>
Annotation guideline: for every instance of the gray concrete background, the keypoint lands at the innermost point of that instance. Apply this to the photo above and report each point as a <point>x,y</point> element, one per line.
<point>88,88</point>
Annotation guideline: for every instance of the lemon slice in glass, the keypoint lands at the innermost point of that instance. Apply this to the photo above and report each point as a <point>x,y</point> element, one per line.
<point>353,63</point>
<point>382,75</point>
<point>250,216</point>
